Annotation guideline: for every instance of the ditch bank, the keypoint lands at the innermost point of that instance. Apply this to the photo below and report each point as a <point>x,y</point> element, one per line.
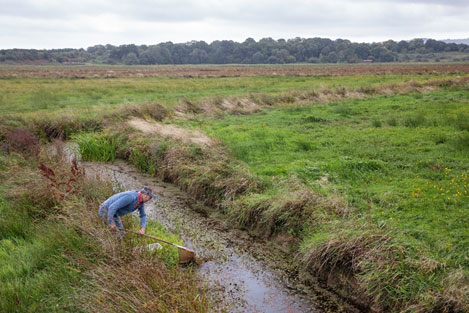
<point>246,274</point>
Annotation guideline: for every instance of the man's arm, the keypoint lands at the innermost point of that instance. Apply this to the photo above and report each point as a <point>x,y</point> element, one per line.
<point>143,219</point>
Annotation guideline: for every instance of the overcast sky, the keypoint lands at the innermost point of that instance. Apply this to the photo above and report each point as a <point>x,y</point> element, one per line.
<point>79,24</point>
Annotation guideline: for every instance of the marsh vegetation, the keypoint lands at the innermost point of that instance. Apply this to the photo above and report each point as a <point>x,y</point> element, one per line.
<point>360,177</point>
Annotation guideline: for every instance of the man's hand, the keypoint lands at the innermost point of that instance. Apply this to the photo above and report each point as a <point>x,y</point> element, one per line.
<point>113,227</point>
<point>141,231</point>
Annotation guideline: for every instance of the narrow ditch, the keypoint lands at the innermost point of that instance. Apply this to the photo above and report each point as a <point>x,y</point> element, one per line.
<point>246,274</point>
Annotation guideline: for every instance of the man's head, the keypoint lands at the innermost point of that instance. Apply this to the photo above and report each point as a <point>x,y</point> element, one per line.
<point>147,194</point>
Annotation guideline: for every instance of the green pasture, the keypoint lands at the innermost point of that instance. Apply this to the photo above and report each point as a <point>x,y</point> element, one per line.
<point>401,160</point>
<point>401,163</point>
<point>88,97</point>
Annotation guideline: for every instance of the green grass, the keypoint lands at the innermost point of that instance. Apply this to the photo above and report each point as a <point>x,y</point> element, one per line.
<point>401,163</point>
<point>168,254</point>
<point>96,147</point>
<point>411,174</point>
<point>89,97</point>
<point>35,273</point>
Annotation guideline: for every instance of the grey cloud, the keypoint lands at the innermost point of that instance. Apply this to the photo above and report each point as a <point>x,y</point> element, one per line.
<point>177,10</point>
<point>299,12</point>
<point>28,9</point>
<point>458,3</point>
<point>182,20</point>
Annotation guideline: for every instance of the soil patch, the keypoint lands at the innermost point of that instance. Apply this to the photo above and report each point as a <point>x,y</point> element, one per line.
<point>188,71</point>
<point>172,131</point>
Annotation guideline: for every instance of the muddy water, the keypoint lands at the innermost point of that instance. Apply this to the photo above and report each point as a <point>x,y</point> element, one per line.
<point>243,282</point>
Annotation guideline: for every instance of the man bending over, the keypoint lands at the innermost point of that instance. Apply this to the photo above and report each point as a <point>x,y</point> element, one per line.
<point>123,203</point>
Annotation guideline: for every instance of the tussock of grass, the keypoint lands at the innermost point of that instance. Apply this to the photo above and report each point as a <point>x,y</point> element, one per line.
<point>96,146</point>
<point>63,127</point>
<point>155,111</point>
<point>289,210</point>
<point>386,270</point>
<point>145,286</point>
<point>210,177</point>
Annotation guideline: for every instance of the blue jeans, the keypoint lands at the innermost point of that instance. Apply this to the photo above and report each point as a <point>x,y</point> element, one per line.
<point>103,215</point>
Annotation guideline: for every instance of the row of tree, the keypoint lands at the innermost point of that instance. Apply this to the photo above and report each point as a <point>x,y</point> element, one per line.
<point>264,51</point>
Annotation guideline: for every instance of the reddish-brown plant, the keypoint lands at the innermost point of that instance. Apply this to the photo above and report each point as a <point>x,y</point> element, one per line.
<point>63,187</point>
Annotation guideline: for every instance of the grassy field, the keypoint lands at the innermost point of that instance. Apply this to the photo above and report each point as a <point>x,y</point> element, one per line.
<point>32,97</point>
<point>367,172</point>
<point>405,157</point>
<point>399,164</point>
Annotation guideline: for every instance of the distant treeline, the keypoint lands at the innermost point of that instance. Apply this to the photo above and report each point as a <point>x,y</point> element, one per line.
<point>264,51</point>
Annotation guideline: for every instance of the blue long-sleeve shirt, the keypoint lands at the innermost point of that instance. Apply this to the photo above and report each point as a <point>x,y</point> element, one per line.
<point>123,203</point>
